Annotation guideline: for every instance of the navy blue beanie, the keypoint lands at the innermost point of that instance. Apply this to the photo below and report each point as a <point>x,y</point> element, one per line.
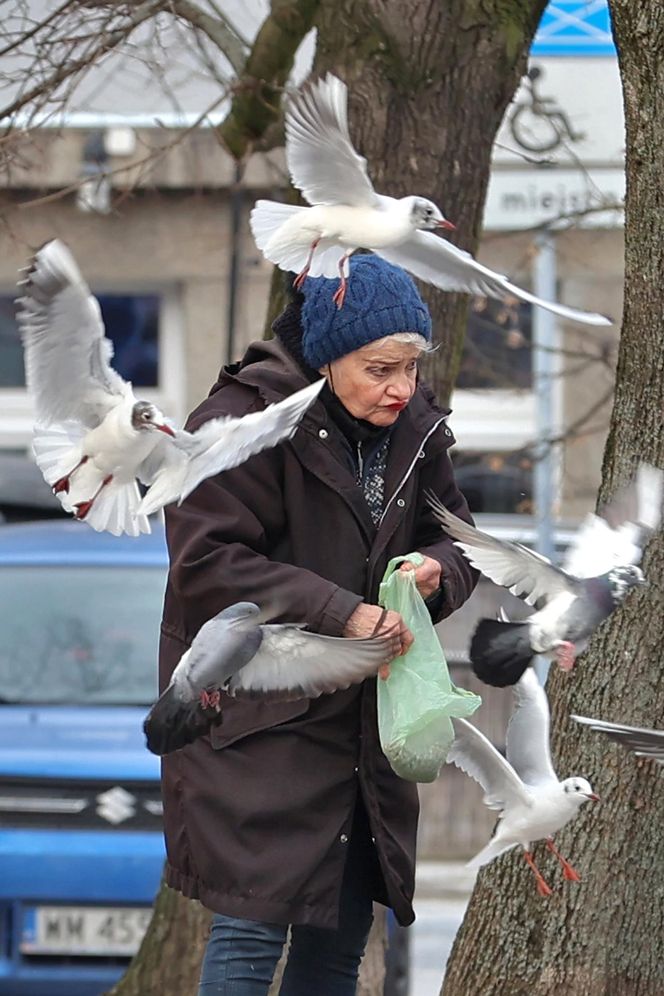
<point>381,299</point>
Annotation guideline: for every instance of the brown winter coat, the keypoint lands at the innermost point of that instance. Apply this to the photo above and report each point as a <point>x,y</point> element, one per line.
<point>258,814</point>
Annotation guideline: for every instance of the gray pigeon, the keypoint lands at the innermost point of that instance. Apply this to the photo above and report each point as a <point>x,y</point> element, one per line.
<point>644,742</point>
<point>599,571</point>
<point>237,654</point>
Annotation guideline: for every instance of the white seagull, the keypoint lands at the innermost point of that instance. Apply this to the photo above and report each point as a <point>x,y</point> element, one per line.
<point>533,804</point>
<point>642,741</point>
<point>235,652</point>
<point>347,213</point>
<point>93,438</point>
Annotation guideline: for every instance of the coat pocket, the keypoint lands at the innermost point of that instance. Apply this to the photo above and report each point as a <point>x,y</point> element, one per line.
<point>242,717</point>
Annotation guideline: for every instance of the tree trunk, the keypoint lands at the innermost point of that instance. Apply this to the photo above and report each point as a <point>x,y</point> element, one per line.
<point>603,937</point>
<point>429,82</point>
<point>170,957</point>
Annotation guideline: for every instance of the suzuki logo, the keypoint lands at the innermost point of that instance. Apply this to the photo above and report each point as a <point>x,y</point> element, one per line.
<point>116,805</point>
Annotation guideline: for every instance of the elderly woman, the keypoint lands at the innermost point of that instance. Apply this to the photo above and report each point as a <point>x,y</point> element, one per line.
<point>289,813</point>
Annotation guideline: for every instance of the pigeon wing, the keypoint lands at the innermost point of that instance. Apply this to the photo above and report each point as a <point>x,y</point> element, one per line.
<point>474,754</point>
<point>511,565</point>
<point>294,664</point>
<point>618,535</point>
<point>527,744</point>
<point>597,548</point>
<point>444,265</point>
<point>321,159</point>
<point>220,444</point>
<point>67,354</point>
<point>644,742</point>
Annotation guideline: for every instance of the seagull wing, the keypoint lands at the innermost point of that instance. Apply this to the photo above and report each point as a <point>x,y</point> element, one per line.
<point>474,754</point>
<point>67,354</point>
<point>442,264</point>
<point>321,159</point>
<point>644,742</point>
<point>524,572</point>
<point>527,744</point>
<point>220,444</point>
<point>294,664</point>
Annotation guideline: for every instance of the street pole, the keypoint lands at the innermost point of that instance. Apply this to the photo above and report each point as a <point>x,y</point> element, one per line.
<point>545,368</point>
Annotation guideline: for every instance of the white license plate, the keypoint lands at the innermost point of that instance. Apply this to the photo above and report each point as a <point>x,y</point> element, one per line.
<point>83,930</point>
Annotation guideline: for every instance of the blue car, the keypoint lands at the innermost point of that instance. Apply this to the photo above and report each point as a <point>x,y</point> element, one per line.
<point>81,847</point>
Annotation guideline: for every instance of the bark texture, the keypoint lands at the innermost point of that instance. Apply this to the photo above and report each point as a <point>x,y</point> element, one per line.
<point>603,937</point>
<point>169,960</point>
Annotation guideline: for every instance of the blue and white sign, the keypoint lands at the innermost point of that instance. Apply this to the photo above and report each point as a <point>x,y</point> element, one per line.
<point>575,27</point>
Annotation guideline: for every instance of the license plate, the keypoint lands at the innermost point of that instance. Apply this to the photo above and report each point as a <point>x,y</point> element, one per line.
<point>83,930</point>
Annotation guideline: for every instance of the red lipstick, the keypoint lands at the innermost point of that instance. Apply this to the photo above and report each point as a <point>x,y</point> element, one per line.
<point>398,406</point>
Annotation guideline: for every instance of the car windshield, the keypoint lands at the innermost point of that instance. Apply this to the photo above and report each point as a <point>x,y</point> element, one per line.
<point>83,635</point>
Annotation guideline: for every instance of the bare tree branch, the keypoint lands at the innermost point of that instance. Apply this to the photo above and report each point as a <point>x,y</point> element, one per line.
<point>68,69</point>
<point>539,448</point>
<point>219,30</point>
<point>137,165</point>
<point>39,26</point>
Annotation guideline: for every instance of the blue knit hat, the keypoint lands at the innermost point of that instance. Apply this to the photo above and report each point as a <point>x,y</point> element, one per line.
<point>381,299</point>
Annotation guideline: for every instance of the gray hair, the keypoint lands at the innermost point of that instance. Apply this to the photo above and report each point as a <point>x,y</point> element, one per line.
<point>409,338</point>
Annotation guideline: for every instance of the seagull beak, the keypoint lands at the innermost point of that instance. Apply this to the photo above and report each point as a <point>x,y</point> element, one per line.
<point>593,797</point>
<point>165,428</point>
<point>448,225</point>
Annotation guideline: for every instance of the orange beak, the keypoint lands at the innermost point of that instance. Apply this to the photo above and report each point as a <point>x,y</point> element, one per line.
<point>165,428</point>
<point>446,224</point>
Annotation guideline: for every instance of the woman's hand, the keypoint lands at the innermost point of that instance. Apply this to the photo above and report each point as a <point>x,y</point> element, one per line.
<point>371,620</point>
<point>427,577</point>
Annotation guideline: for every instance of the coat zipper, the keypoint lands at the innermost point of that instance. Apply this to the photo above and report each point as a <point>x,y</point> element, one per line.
<point>410,468</point>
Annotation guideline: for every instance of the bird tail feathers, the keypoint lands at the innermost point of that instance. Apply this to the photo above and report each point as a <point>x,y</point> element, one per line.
<point>500,652</point>
<point>116,511</point>
<point>57,449</point>
<point>267,220</point>
<point>172,723</point>
<point>287,246</point>
<point>492,850</point>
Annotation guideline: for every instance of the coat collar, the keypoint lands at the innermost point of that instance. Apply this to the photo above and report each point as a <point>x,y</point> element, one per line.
<point>269,368</point>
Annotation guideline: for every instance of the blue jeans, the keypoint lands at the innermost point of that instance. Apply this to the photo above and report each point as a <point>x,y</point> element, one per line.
<point>241,955</point>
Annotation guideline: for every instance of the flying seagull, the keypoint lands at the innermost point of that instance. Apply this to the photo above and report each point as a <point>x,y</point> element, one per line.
<point>346,213</point>
<point>644,742</point>
<point>533,804</point>
<point>93,438</point>
<point>599,572</point>
<point>235,652</point>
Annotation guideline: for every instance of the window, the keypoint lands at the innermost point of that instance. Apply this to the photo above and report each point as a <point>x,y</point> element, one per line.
<point>80,635</point>
<point>132,323</point>
<point>499,483</point>
<point>498,347</point>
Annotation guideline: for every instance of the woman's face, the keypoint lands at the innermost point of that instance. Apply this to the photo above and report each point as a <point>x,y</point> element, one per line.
<point>375,382</point>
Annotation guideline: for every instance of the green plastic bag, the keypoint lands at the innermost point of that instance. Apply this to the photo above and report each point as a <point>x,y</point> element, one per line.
<point>417,700</point>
